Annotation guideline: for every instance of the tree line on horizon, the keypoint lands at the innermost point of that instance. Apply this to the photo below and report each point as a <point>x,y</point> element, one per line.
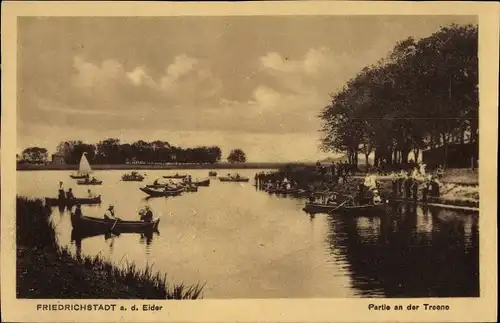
<point>423,95</point>
<point>112,151</point>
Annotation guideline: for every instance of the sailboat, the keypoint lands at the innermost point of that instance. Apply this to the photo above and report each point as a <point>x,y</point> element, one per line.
<point>83,170</point>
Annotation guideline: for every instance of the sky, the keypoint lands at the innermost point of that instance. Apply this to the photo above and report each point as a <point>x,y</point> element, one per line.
<point>252,82</point>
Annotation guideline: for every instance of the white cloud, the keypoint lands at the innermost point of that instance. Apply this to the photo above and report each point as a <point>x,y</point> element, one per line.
<point>182,65</point>
<point>90,75</point>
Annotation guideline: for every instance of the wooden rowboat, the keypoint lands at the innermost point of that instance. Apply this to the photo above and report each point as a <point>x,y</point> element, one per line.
<point>89,183</point>
<point>205,182</point>
<point>71,202</point>
<point>319,207</point>
<point>190,188</point>
<point>175,176</point>
<point>96,225</point>
<point>158,193</point>
<point>77,176</point>
<point>212,173</point>
<point>366,209</point>
<point>234,179</point>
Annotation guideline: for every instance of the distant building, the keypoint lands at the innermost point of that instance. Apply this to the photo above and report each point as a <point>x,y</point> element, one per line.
<point>58,160</point>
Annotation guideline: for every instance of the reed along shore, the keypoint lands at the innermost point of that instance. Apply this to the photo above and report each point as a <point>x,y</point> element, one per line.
<point>45,270</point>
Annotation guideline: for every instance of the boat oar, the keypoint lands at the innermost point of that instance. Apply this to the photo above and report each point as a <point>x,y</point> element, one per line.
<point>335,209</point>
<point>114,224</point>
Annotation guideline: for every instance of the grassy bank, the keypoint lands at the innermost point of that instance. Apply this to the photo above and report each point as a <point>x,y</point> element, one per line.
<point>44,270</point>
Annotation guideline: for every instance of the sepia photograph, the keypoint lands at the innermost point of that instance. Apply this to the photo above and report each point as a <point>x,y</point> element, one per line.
<point>247,157</point>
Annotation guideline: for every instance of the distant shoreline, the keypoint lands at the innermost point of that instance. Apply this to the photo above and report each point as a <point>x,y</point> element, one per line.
<point>28,167</point>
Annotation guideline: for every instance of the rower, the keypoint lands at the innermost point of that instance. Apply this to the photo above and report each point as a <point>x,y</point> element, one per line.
<point>62,195</point>
<point>93,179</point>
<point>69,194</point>
<point>155,182</point>
<point>147,215</point>
<point>89,192</point>
<point>376,197</point>
<point>110,213</point>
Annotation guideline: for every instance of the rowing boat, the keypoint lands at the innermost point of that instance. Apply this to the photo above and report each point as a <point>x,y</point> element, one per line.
<point>175,176</point>
<point>73,201</point>
<point>205,182</point>
<point>77,176</point>
<point>95,225</point>
<point>319,207</point>
<point>285,191</point>
<point>190,188</point>
<point>366,209</point>
<point>89,183</point>
<point>212,173</point>
<point>155,193</point>
<point>133,177</point>
<point>234,179</point>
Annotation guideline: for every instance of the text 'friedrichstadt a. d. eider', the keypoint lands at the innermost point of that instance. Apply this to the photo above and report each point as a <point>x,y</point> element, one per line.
<point>97,307</point>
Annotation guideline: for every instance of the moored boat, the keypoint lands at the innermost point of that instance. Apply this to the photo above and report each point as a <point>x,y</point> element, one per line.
<point>91,224</point>
<point>177,176</point>
<point>157,193</point>
<point>132,177</point>
<point>319,207</point>
<point>91,182</point>
<point>205,182</point>
<point>365,209</point>
<point>190,188</point>
<point>233,179</point>
<point>74,201</point>
<point>212,173</point>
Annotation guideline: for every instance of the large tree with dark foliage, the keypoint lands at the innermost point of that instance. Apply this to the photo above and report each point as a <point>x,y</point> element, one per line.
<point>35,155</point>
<point>237,156</point>
<point>424,94</point>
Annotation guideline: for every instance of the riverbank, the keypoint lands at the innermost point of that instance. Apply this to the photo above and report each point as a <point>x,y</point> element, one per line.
<point>44,270</point>
<point>30,167</point>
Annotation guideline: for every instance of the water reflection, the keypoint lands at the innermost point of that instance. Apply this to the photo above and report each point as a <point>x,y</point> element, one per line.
<point>145,238</point>
<point>409,254</point>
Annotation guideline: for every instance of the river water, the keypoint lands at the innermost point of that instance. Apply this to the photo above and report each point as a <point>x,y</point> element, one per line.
<point>244,243</point>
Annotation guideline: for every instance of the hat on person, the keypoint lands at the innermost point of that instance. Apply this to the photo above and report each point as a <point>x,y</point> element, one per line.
<point>147,207</point>
<point>111,206</point>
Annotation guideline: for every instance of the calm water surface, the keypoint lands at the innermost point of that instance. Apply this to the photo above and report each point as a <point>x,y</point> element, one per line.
<point>246,243</point>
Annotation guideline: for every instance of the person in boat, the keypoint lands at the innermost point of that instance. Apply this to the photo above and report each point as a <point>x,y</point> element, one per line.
<point>237,175</point>
<point>147,216</point>
<point>93,180</point>
<point>377,199</point>
<point>78,210</point>
<point>110,213</point>
<point>69,194</point>
<point>89,192</point>
<point>62,194</point>
<point>155,182</point>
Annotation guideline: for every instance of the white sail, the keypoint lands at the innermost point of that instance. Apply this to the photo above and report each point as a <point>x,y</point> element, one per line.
<point>84,166</point>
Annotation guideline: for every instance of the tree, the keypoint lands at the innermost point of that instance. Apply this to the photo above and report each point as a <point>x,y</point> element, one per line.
<point>237,156</point>
<point>424,94</point>
<point>35,155</point>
